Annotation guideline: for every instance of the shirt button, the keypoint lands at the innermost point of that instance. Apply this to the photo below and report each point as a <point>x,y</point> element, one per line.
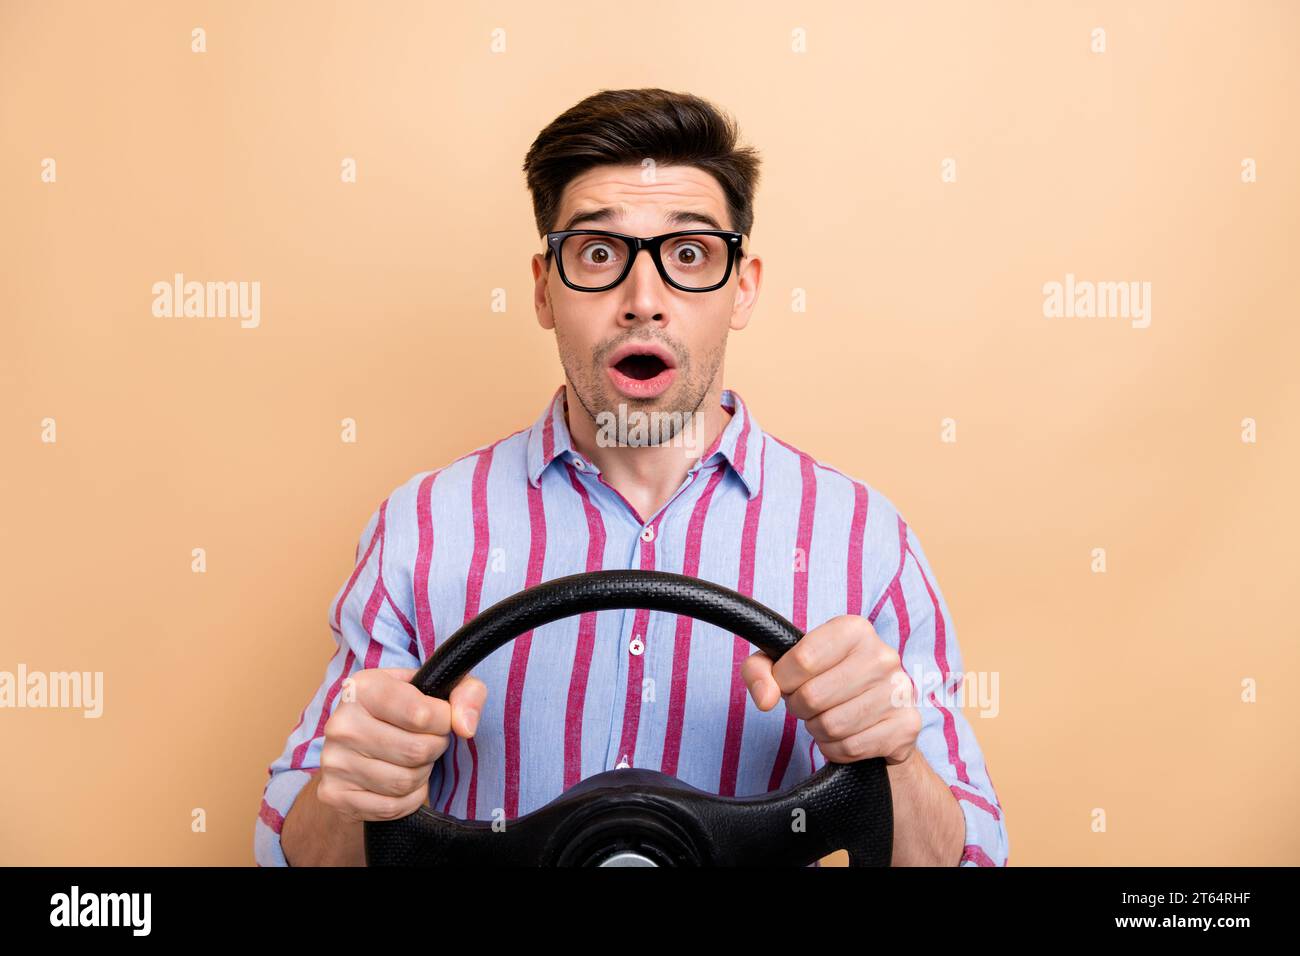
<point>580,464</point>
<point>637,647</point>
<point>648,534</point>
<point>622,764</point>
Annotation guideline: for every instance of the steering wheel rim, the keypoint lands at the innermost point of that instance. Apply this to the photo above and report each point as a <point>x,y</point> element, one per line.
<point>633,812</point>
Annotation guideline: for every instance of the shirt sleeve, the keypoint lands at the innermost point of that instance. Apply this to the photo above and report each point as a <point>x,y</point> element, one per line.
<point>914,619</point>
<point>369,631</point>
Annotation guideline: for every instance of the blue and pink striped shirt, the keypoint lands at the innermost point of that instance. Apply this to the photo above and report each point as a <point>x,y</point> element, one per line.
<point>633,688</point>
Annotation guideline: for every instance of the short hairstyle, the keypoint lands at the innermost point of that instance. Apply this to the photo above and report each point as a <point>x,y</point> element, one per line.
<point>625,127</point>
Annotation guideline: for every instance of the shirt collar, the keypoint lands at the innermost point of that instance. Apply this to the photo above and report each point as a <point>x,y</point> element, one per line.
<point>739,445</point>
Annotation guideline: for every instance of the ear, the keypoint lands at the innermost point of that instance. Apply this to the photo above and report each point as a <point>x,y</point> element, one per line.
<point>749,280</point>
<point>542,292</point>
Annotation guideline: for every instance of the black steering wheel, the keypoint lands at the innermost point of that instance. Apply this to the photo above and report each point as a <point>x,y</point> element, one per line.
<point>637,817</point>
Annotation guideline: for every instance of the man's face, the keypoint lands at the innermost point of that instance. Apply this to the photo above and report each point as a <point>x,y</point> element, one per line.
<point>593,329</point>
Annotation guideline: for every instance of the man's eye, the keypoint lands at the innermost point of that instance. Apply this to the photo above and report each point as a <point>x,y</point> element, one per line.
<point>690,254</point>
<point>599,253</point>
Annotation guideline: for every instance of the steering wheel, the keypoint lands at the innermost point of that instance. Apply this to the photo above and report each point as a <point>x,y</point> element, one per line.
<point>639,817</point>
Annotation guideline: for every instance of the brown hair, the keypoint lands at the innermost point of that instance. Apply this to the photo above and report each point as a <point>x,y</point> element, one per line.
<point>622,127</point>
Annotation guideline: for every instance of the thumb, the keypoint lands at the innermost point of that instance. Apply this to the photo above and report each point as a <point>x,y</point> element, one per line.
<point>757,672</point>
<point>467,699</point>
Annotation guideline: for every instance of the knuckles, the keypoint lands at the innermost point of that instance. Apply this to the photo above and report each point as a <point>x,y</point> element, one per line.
<point>803,657</point>
<point>855,626</point>
<point>832,726</point>
<point>419,713</point>
<point>857,749</point>
<point>914,722</point>
<point>809,699</point>
<point>341,724</point>
<point>423,749</point>
<point>329,793</point>
<point>401,781</point>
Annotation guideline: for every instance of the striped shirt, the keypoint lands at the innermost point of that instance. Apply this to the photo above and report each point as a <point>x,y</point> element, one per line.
<point>607,689</point>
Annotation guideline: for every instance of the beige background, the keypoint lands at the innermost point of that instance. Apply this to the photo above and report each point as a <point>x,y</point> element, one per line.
<point>1119,691</point>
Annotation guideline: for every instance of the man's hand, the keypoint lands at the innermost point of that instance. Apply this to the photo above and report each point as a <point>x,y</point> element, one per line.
<point>383,739</point>
<point>849,688</point>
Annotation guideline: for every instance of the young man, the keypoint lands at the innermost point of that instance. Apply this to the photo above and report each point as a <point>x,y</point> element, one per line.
<point>641,339</point>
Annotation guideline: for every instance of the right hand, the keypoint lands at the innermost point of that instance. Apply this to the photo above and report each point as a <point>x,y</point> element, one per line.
<point>382,743</point>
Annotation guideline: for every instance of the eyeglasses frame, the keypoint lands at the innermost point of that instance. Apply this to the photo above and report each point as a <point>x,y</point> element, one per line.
<point>652,243</point>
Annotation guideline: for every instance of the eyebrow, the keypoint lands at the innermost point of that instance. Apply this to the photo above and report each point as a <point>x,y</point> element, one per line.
<point>676,217</point>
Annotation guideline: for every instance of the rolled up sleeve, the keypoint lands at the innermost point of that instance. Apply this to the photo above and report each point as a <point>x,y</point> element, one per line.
<point>369,631</point>
<point>914,619</point>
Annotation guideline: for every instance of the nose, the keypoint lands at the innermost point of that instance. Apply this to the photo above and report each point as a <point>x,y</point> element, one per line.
<point>644,291</point>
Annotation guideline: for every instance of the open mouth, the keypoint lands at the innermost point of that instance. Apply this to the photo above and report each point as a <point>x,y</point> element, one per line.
<point>641,367</point>
<point>642,371</point>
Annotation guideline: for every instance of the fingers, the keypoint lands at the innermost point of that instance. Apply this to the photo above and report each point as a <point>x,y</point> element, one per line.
<point>467,699</point>
<point>849,678</point>
<point>817,656</point>
<point>893,738</point>
<point>355,804</point>
<point>371,737</point>
<point>400,703</point>
<point>756,670</point>
<point>847,685</point>
<point>848,717</point>
<point>821,649</point>
<point>344,766</point>
<point>383,738</point>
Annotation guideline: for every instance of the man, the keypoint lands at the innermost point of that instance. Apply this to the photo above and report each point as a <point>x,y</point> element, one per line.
<point>641,339</point>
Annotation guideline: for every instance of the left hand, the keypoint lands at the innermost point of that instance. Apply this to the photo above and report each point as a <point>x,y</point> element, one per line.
<point>849,688</point>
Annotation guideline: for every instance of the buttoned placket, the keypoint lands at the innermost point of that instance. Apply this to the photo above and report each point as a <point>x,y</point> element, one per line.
<point>634,634</point>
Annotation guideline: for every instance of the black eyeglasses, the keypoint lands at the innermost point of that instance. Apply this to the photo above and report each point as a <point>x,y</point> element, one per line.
<point>696,260</point>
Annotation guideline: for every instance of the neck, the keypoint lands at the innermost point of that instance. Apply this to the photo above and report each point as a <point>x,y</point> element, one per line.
<point>646,475</point>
